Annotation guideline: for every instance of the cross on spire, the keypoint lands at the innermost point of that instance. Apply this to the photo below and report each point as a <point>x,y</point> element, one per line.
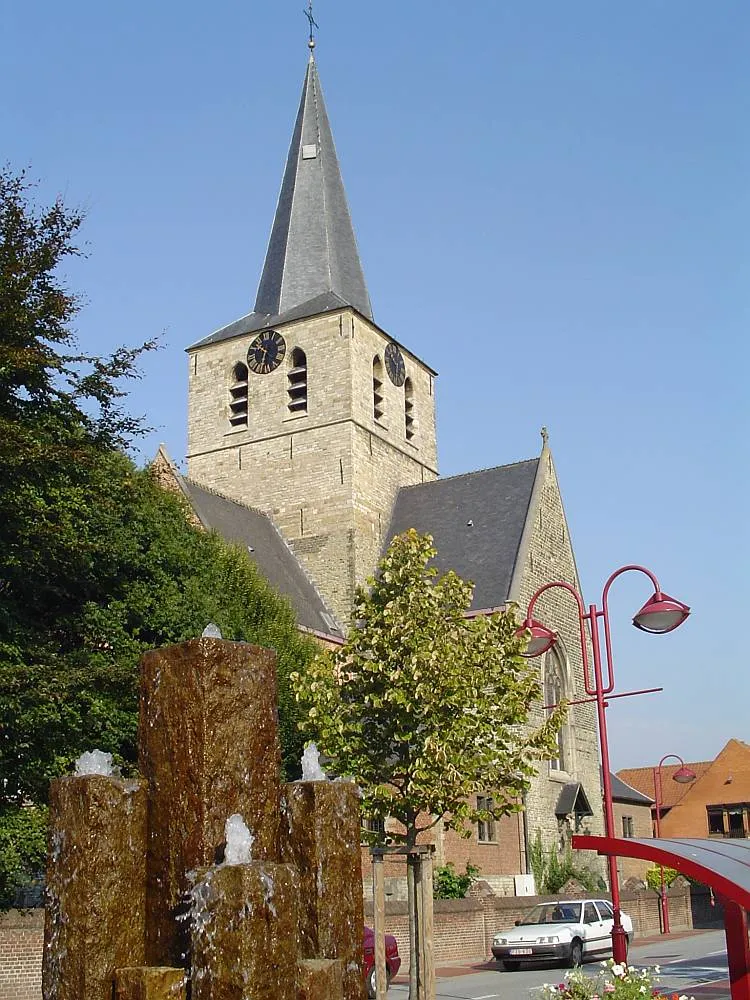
<point>313,23</point>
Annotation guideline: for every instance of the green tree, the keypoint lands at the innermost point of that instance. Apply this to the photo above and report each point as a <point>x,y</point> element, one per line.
<point>97,563</point>
<point>425,707</point>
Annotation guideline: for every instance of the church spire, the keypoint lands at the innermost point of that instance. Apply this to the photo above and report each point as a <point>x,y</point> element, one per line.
<point>312,252</point>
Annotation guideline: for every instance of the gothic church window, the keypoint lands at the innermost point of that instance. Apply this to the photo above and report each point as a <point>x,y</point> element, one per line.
<point>238,396</point>
<point>378,405</point>
<point>409,409</point>
<point>297,382</point>
<point>554,693</point>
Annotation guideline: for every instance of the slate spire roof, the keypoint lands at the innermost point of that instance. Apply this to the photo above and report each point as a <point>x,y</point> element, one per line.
<point>312,263</point>
<point>312,250</point>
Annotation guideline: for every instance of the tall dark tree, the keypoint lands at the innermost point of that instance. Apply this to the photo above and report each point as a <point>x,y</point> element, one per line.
<point>97,562</point>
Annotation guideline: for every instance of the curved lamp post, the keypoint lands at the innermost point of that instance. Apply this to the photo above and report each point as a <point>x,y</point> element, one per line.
<point>660,614</point>
<point>683,776</point>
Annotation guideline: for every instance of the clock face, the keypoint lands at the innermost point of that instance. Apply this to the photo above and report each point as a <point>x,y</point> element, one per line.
<point>394,365</point>
<point>266,352</point>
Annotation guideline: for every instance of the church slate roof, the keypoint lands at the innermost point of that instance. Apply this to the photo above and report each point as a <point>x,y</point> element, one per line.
<point>255,531</point>
<point>312,263</point>
<point>476,521</point>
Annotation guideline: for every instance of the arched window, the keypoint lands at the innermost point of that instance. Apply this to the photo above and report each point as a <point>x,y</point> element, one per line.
<point>378,406</point>
<point>238,396</point>
<point>297,382</point>
<point>409,409</point>
<point>554,693</point>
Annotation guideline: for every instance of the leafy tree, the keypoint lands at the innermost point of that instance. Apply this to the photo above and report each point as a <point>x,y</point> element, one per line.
<point>23,849</point>
<point>425,707</point>
<point>97,562</point>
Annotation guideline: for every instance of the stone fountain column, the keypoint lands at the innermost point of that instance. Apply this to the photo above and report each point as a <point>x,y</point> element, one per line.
<point>96,885</point>
<point>245,933</point>
<point>209,747</point>
<point>321,838</point>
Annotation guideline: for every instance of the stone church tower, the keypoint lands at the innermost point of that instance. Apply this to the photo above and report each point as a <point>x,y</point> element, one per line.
<point>306,409</point>
<point>312,443</point>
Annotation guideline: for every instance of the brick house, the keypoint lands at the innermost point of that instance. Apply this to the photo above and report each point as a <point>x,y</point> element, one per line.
<point>716,804</point>
<point>312,441</point>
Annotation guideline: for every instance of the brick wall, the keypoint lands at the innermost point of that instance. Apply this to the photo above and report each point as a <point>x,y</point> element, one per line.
<point>21,940</point>
<point>464,928</point>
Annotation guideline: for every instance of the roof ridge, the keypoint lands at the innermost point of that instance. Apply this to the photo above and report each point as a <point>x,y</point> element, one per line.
<point>473,472</point>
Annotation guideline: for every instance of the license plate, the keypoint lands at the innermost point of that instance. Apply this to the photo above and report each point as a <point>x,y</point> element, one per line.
<point>521,951</point>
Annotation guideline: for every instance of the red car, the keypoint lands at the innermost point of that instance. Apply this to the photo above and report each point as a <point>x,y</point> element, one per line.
<point>392,960</point>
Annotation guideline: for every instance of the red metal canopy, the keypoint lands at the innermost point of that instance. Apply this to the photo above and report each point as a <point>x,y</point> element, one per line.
<point>724,865</point>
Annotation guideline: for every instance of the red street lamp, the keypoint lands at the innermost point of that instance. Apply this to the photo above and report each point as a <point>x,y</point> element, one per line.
<point>659,614</point>
<point>683,776</point>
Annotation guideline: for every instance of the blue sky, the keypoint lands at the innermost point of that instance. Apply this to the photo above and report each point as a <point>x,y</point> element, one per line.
<point>552,207</point>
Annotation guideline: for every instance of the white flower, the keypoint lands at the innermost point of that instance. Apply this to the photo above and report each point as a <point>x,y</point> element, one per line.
<point>619,970</point>
<point>657,970</point>
<point>643,990</point>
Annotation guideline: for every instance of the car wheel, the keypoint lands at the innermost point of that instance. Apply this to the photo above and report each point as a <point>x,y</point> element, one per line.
<point>511,966</point>
<point>371,992</point>
<point>575,955</point>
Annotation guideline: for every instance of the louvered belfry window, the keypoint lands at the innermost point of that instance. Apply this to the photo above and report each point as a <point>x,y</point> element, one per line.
<point>297,382</point>
<point>409,409</point>
<point>378,404</point>
<point>238,396</point>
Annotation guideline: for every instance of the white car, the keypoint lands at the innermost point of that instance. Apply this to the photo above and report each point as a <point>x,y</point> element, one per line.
<point>568,931</point>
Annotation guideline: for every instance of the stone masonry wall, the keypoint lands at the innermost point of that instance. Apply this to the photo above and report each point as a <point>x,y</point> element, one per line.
<point>549,557</point>
<point>328,477</point>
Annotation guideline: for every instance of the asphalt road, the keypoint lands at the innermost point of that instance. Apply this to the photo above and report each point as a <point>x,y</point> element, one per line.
<point>685,963</point>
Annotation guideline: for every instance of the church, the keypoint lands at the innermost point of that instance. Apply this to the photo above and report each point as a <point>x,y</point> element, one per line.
<point>312,441</point>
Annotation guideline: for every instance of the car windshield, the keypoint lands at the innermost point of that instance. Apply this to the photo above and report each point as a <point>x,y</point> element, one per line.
<point>553,913</point>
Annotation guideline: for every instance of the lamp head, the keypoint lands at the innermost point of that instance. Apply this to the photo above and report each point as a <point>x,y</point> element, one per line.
<point>661,613</point>
<point>683,775</point>
<point>541,639</point>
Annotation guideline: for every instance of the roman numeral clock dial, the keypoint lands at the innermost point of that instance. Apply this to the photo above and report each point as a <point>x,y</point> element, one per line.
<point>394,365</point>
<point>266,352</point>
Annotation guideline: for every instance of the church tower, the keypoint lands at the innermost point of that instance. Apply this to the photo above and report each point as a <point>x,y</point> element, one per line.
<point>305,408</point>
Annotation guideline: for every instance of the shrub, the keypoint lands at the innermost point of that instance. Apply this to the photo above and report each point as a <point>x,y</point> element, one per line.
<point>553,870</point>
<point>448,884</point>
